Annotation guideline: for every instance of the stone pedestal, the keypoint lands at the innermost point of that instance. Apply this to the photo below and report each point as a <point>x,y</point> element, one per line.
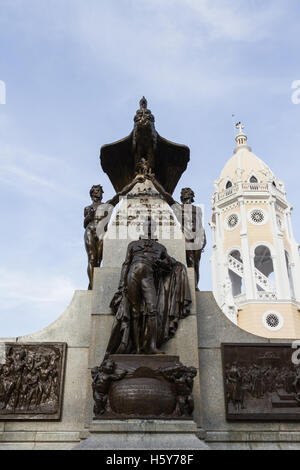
<point>142,435</point>
<point>124,227</point>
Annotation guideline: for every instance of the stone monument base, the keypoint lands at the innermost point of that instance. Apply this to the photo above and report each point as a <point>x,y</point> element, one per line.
<point>142,435</point>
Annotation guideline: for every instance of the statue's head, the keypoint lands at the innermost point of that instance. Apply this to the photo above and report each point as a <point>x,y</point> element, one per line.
<point>108,366</point>
<point>20,355</point>
<point>143,116</point>
<point>187,196</point>
<point>46,360</point>
<point>192,371</point>
<point>96,193</point>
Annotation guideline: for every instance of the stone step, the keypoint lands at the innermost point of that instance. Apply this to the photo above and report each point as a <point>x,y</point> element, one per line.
<point>286,396</point>
<point>278,403</point>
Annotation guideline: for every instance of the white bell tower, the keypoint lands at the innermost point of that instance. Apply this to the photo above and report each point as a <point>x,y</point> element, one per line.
<point>255,260</point>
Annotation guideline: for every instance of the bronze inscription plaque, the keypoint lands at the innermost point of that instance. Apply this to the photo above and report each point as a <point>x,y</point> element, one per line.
<point>261,382</point>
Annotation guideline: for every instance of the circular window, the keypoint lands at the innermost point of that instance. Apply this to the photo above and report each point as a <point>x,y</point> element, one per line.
<point>232,221</point>
<point>273,321</point>
<point>257,216</point>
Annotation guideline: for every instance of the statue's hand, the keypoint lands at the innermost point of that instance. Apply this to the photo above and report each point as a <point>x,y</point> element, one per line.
<point>163,265</point>
<point>150,176</point>
<point>139,179</point>
<point>122,289</point>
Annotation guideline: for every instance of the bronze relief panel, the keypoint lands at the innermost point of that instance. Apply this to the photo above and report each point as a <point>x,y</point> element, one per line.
<point>31,380</point>
<point>261,382</point>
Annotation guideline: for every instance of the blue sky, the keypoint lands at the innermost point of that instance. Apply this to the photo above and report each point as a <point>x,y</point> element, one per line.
<point>74,72</point>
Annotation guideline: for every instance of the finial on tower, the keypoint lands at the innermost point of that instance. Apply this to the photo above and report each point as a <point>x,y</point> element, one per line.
<point>241,138</point>
<point>239,126</point>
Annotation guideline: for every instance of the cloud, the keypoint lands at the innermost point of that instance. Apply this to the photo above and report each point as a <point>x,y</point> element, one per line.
<point>17,287</point>
<point>28,172</point>
<point>174,49</point>
<point>236,20</point>
<point>28,299</point>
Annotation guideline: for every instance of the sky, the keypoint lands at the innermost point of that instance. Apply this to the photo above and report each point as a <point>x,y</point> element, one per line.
<point>74,72</point>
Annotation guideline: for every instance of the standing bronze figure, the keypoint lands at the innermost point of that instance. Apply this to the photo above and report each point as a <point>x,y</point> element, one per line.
<point>190,219</point>
<point>96,218</point>
<point>153,296</point>
<point>193,230</point>
<point>144,140</point>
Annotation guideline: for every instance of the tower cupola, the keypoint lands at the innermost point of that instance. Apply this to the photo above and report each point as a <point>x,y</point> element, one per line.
<point>255,260</point>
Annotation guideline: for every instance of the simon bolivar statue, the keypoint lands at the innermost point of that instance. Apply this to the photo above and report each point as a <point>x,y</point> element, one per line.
<point>153,296</point>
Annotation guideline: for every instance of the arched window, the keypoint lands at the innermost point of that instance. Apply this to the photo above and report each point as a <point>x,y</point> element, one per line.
<point>228,185</point>
<point>253,179</point>
<point>263,262</point>
<point>237,283</point>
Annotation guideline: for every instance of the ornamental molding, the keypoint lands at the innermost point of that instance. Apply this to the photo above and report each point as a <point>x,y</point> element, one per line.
<point>256,201</point>
<point>280,209</point>
<point>229,208</point>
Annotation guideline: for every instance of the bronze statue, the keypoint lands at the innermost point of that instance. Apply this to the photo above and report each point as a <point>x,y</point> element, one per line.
<point>96,218</point>
<point>143,387</point>
<point>102,377</point>
<point>143,168</point>
<point>190,219</point>
<point>153,295</point>
<point>167,159</point>
<point>144,140</point>
<point>183,379</point>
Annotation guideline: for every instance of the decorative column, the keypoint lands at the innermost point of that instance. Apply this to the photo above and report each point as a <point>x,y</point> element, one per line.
<point>279,263</point>
<point>295,260</point>
<point>250,286</point>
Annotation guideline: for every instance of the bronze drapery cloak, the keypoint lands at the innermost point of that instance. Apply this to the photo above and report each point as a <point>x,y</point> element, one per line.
<point>173,304</point>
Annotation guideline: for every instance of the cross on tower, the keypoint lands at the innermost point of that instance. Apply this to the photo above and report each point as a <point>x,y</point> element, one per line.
<point>239,126</point>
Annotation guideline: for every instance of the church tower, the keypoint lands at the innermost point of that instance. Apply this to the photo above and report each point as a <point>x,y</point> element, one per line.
<point>255,260</point>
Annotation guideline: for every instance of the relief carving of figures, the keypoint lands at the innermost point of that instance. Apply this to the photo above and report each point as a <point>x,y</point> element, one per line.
<point>30,379</point>
<point>296,386</point>
<point>235,390</point>
<point>266,384</point>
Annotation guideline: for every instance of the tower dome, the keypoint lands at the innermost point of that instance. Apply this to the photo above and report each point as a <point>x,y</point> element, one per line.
<point>244,166</point>
<point>255,259</point>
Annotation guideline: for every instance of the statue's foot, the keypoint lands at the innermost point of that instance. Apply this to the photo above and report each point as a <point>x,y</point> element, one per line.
<point>154,351</point>
<point>137,351</point>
